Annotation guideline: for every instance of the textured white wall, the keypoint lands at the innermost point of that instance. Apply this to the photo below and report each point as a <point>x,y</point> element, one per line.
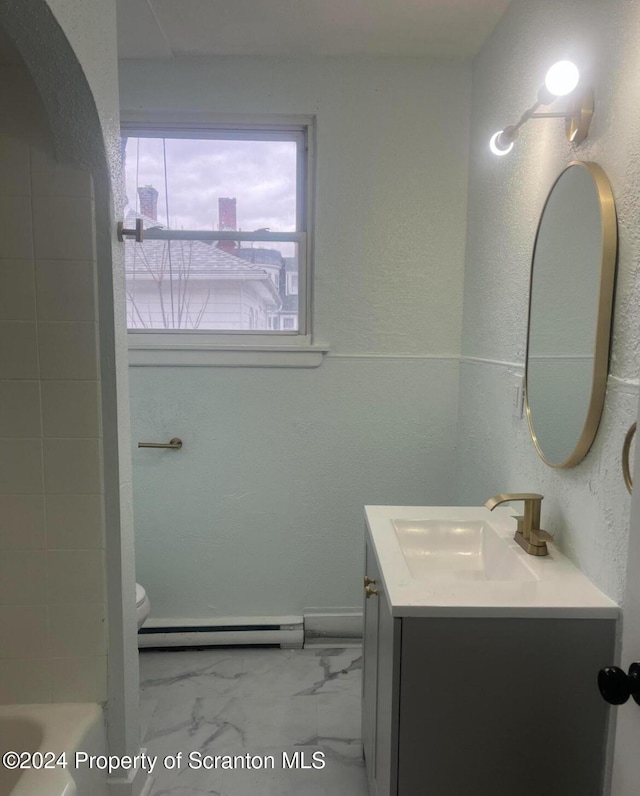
<point>261,512</point>
<point>289,457</point>
<point>587,506</point>
<point>392,139</point>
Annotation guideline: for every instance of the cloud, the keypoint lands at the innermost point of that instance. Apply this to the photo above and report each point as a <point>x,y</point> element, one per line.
<point>261,175</point>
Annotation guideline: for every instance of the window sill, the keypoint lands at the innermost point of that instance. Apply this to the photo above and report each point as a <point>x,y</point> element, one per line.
<point>149,351</point>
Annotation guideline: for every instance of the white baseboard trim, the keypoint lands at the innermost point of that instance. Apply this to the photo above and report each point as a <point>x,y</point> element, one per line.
<point>288,632</point>
<point>284,631</point>
<point>136,783</point>
<point>336,624</point>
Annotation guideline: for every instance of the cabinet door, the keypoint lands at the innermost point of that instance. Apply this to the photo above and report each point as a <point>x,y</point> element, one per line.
<point>370,669</point>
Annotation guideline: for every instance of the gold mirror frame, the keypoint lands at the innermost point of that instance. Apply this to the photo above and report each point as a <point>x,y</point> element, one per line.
<point>609,230</point>
<point>626,458</point>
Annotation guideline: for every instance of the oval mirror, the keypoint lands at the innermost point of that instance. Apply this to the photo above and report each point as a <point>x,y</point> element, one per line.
<point>570,308</point>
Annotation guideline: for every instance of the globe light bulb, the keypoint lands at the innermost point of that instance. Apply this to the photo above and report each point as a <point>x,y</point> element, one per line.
<point>496,147</point>
<point>562,78</point>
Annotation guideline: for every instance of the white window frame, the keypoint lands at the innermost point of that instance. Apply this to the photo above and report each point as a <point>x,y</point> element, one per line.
<point>242,347</point>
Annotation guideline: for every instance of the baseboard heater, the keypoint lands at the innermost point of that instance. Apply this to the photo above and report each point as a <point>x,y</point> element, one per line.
<point>286,632</point>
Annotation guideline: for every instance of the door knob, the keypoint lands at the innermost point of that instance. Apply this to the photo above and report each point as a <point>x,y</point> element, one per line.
<point>370,592</point>
<point>616,687</point>
<point>367,580</point>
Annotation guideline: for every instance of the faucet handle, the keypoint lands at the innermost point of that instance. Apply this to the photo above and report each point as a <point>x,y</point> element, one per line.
<point>538,536</point>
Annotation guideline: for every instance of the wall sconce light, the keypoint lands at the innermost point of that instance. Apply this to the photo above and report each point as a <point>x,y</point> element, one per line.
<point>561,80</point>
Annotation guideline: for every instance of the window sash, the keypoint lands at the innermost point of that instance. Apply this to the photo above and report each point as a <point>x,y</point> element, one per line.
<point>156,233</point>
<point>298,129</point>
<point>265,237</point>
<point>215,131</point>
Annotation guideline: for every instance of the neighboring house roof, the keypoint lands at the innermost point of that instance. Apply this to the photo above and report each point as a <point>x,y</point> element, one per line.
<point>196,259</point>
<point>260,256</point>
<point>274,257</point>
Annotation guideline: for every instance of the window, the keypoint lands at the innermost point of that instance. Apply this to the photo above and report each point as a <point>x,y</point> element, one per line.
<point>225,214</point>
<point>292,283</point>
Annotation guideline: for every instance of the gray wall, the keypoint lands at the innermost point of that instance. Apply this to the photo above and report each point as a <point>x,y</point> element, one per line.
<point>587,506</point>
<point>392,161</point>
<point>289,457</point>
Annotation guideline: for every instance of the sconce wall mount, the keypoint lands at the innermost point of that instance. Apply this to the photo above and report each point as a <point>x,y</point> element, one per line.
<point>579,122</point>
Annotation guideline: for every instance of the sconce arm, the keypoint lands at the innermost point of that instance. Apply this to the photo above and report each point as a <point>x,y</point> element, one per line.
<point>577,115</point>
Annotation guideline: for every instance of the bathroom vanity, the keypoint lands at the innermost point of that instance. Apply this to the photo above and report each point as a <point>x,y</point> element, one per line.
<point>480,662</point>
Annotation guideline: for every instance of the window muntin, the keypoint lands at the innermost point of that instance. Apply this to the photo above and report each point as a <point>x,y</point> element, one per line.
<point>208,263</point>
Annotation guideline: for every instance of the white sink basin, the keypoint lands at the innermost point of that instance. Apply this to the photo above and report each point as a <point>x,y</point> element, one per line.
<point>463,561</point>
<point>468,550</point>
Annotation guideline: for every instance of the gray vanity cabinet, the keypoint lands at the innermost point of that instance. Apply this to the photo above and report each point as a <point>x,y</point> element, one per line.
<point>484,706</point>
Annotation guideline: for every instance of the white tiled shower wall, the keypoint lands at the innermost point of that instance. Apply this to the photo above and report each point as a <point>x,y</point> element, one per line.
<point>52,571</point>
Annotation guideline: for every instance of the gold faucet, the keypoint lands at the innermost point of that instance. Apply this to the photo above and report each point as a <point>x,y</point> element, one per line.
<point>531,538</point>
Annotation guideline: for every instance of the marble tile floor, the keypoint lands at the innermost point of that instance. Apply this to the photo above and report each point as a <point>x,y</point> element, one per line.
<point>256,701</point>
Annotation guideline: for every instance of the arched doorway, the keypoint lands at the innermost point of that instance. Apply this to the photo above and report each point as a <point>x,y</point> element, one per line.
<point>66,486</point>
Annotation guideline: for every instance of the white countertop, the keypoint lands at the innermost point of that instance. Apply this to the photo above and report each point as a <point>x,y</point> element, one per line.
<point>558,590</point>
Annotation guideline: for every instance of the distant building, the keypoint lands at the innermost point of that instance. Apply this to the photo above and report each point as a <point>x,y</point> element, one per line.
<point>284,272</point>
<point>198,284</point>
